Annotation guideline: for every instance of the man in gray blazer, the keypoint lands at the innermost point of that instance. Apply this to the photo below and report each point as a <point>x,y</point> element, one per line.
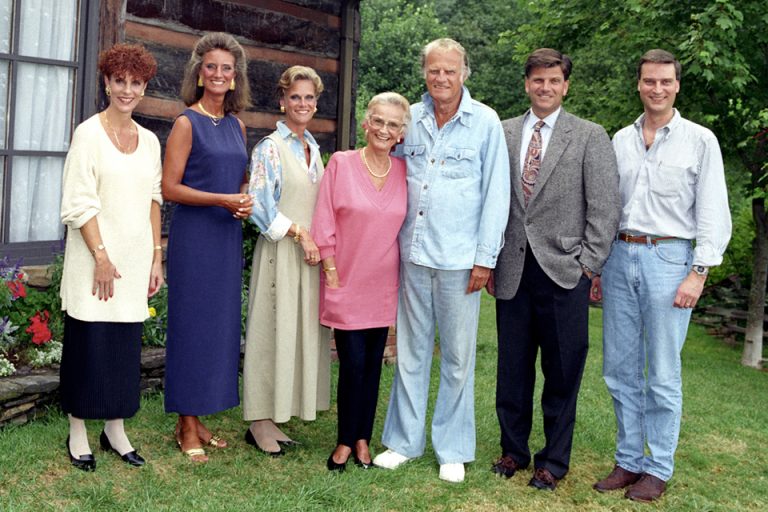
<point>563,217</point>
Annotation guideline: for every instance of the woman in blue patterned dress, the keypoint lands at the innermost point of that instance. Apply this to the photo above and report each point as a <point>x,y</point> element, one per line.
<point>205,174</point>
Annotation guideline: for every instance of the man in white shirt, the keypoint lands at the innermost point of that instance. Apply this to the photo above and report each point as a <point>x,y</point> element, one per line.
<point>675,224</point>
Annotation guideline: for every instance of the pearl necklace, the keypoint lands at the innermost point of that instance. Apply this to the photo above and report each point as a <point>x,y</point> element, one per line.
<point>365,162</point>
<point>215,121</point>
<point>114,132</point>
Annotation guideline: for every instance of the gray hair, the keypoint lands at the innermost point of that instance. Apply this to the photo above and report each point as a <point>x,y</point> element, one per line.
<point>445,44</point>
<point>391,98</point>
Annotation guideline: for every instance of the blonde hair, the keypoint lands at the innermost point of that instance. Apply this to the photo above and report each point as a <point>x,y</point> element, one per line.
<point>391,98</point>
<point>234,101</point>
<point>445,44</point>
<point>294,73</point>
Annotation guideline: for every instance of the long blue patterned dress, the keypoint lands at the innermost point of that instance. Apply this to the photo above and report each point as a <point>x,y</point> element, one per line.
<point>205,264</point>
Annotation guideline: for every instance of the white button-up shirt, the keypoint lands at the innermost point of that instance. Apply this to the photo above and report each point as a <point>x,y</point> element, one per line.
<point>546,134</point>
<point>676,187</point>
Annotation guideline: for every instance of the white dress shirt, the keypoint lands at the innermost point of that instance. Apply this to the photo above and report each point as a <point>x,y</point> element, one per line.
<point>546,134</point>
<point>676,187</point>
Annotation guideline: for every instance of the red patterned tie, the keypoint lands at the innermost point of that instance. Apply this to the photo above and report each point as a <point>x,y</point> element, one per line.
<point>532,162</point>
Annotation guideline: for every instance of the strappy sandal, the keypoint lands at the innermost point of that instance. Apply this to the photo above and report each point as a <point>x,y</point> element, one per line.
<point>192,452</point>
<point>216,441</point>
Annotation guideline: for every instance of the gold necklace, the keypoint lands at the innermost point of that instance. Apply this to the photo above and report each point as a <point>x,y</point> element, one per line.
<point>114,132</point>
<point>365,162</point>
<point>214,119</point>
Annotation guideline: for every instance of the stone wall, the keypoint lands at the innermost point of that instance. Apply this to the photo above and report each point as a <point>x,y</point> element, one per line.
<point>26,397</point>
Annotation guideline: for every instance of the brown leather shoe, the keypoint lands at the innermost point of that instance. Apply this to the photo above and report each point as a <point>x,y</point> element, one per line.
<point>647,489</point>
<point>618,479</point>
<point>505,466</point>
<point>543,480</point>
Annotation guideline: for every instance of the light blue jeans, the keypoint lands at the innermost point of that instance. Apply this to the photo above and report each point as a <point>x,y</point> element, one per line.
<point>427,297</point>
<point>643,335</point>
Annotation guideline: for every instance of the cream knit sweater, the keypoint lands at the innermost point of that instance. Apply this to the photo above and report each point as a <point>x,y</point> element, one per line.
<point>118,189</point>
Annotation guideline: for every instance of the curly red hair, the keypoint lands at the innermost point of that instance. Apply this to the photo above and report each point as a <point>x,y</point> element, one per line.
<point>123,59</point>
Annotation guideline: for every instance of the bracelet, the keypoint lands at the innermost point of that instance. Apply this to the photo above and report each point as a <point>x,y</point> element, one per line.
<point>158,247</point>
<point>99,247</point>
<point>329,269</point>
<point>297,234</point>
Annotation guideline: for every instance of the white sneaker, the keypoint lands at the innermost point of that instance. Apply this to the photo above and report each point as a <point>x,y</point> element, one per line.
<point>452,472</point>
<point>390,459</point>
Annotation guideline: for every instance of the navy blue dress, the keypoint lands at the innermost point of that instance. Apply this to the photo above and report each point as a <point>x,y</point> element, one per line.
<point>205,264</point>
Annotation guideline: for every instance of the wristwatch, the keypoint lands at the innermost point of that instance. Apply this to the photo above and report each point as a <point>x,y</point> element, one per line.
<point>700,269</point>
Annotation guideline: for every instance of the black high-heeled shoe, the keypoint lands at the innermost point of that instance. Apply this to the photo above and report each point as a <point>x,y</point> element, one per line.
<point>86,462</point>
<point>332,465</point>
<point>252,441</point>
<point>363,465</point>
<point>132,458</point>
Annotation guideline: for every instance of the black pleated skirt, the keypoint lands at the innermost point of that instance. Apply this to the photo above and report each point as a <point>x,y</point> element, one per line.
<point>100,369</point>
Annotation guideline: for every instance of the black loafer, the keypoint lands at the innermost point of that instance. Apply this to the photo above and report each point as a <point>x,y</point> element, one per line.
<point>252,441</point>
<point>85,462</point>
<point>332,465</point>
<point>132,458</point>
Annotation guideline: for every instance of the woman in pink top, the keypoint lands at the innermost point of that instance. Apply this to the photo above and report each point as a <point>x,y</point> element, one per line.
<point>360,208</point>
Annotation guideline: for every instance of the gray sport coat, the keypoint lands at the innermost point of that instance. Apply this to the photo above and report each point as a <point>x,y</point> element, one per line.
<point>573,212</point>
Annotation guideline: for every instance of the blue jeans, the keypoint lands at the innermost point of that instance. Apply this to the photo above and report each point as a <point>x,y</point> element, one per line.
<point>643,335</point>
<point>427,297</point>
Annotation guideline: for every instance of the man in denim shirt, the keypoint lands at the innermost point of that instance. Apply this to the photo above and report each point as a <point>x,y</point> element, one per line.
<point>458,202</point>
<point>673,192</point>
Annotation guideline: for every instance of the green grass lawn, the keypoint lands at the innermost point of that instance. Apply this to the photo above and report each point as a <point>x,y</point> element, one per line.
<point>722,459</point>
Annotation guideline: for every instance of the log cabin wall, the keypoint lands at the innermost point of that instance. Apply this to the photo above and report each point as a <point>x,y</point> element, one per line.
<point>276,34</point>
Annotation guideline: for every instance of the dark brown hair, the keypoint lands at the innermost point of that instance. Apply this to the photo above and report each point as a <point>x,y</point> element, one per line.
<point>658,56</point>
<point>548,58</point>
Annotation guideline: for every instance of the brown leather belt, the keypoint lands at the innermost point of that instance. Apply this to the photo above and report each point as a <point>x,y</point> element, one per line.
<point>644,239</point>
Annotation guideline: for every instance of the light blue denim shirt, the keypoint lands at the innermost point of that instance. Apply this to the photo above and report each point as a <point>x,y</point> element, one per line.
<point>266,180</point>
<point>458,187</point>
<point>676,187</point>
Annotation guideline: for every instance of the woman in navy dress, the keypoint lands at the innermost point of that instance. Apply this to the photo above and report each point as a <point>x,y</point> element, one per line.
<point>204,172</point>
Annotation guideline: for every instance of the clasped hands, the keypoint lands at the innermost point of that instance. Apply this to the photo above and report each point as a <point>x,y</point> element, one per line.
<point>239,205</point>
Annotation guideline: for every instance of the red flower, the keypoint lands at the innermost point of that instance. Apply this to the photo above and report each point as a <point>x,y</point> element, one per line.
<point>17,289</point>
<point>38,328</point>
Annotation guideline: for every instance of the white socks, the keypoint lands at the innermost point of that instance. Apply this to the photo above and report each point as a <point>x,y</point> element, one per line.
<point>78,437</point>
<point>116,434</point>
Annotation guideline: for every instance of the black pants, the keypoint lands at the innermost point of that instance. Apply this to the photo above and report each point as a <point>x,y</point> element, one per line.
<point>541,315</point>
<point>360,353</point>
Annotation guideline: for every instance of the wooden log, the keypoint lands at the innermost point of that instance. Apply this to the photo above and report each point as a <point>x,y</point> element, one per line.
<point>245,19</point>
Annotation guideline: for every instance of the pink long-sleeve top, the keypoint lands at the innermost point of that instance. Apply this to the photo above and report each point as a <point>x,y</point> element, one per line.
<point>358,225</point>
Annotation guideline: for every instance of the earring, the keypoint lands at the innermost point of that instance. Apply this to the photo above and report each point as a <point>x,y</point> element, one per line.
<point>199,81</point>
<point>314,111</point>
<point>142,93</point>
<point>108,90</point>
<point>232,85</point>
<point>282,109</point>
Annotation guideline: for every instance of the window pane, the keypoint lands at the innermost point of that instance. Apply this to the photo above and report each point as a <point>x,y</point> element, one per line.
<point>5,26</point>
<point>36,199</point>
<point>3,101</point>
<point>48,29</point>
<point>44,107</point>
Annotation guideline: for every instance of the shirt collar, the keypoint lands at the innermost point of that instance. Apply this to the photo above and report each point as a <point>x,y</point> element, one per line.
<point>464,112</point>
<point>549,121</point>
<point>286,133</point>
<point>667,127</point>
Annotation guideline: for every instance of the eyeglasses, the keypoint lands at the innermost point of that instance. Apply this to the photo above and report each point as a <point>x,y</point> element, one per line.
<point>378,123</point>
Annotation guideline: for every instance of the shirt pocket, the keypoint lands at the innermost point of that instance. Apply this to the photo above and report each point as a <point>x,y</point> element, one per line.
<point>671,180</point>
<point>458,162</point>
<point>413,150</point>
